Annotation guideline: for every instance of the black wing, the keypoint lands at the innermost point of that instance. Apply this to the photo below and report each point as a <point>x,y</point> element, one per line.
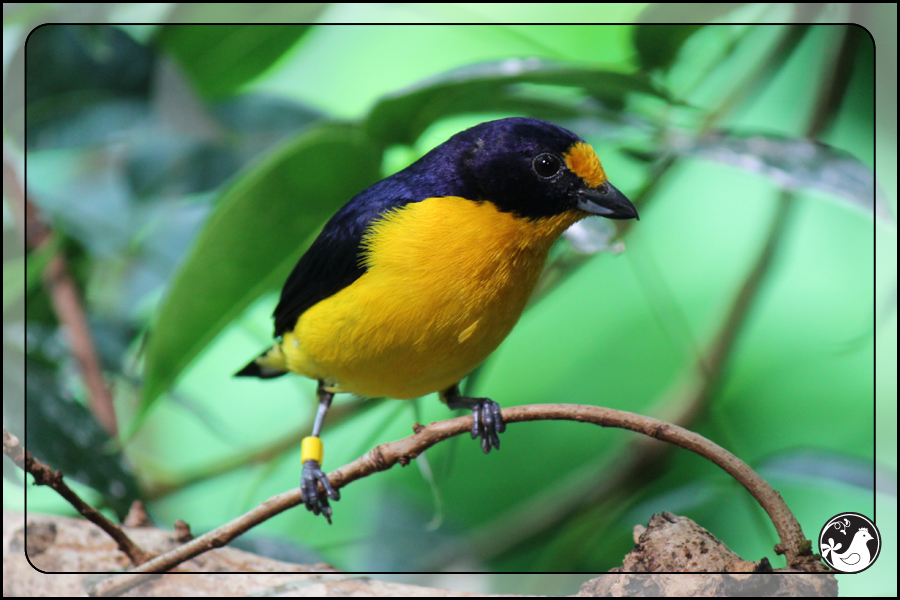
<point>330,265</point>
<point>333,261</point>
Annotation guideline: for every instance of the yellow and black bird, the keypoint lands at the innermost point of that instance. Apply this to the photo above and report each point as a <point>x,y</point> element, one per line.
<point>416,280</point>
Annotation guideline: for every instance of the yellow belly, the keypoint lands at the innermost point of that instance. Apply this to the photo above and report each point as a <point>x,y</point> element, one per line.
<point>446,281</point>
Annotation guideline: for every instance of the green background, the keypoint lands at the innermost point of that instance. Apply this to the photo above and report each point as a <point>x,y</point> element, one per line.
<point>184,169</point>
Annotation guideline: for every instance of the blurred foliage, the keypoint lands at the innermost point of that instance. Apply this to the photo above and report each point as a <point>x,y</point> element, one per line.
<point>501,86</point>
<point>184,169</point>
<point>223,275</point>
<point>221,58</point>
<point>61,432</point>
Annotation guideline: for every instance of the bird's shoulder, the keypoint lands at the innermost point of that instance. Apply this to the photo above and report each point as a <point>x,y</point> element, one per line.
<point>333,262</point>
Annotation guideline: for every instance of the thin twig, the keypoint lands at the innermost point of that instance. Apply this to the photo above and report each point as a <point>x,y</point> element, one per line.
<point>794,545</point>
<point>44,475</point>
<point>66,300</point>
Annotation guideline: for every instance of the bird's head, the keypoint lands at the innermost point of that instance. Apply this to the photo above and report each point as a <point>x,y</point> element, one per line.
<point>536,169</point>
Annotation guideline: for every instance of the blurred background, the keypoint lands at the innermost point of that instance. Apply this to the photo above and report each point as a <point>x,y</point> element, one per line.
<point>161,181</point>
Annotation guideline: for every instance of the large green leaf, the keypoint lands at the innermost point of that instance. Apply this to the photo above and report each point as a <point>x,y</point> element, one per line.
<point>252,240</point>
<point>221,58</point>
<point>794,163</point>
<point>496,86</point>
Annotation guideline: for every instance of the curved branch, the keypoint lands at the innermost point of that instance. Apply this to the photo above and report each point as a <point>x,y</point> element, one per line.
<point>793,543</point>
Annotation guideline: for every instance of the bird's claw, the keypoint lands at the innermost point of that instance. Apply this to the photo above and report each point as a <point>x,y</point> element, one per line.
<point>309,481</point>
<point>487,420</point>
<point>487,423</point>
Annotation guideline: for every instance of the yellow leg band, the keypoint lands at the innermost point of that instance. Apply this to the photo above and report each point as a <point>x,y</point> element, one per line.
<point>311,449</point>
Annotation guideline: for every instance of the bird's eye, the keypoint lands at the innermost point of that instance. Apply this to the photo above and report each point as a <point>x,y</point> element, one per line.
<point>546,165</point>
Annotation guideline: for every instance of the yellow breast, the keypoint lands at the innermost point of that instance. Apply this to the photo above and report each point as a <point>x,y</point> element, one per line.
<point>446,281</point>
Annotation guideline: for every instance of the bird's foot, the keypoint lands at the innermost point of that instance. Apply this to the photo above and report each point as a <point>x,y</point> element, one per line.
<point>487,421</point>
<point>309,481</point>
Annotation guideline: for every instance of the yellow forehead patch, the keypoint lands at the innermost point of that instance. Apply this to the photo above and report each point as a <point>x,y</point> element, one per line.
<point>582,160</point>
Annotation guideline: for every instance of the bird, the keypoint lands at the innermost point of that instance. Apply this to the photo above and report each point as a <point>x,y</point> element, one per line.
<point>417,279</point>
<point>856,557</point>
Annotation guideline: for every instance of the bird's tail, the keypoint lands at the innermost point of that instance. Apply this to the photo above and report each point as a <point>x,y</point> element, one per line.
<point>268,365</point>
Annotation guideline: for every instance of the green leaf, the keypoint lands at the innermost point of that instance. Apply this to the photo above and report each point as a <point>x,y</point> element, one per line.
<point>658,41</point>
<point>658,45</point>
<point>794,163</point>
<point>65,435</point>
<point>822,463</point>
<point>251,241</point>
<point>221,58</point>
<point>497,86</point>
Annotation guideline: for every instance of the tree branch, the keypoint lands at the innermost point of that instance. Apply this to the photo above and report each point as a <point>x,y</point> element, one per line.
<point>794,545</point>
<point>44,475</point>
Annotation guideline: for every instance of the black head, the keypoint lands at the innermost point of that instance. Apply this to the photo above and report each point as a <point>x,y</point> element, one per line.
<point>531,168</point>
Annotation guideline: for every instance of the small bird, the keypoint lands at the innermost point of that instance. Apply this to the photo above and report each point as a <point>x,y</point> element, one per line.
<point>419,277</point>
<point>856,557</point>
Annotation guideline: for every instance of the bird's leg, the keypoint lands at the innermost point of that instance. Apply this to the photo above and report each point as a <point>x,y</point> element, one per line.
<point>311,454</point>
<point>488,422</point>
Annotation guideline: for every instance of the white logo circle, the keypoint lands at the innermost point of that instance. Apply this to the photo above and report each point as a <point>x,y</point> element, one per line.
<point>849,542</point>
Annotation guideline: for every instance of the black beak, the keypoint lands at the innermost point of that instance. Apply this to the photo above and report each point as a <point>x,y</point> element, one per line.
<point>605,201</point>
